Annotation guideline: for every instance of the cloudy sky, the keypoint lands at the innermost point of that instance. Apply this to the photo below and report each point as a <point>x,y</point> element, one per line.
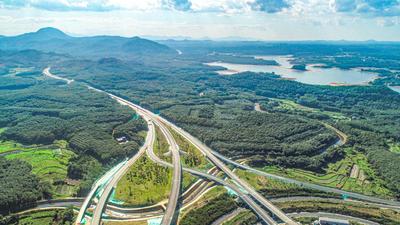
<point>251,19</point>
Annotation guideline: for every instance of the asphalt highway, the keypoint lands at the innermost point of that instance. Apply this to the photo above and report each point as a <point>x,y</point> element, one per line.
<point>256,208</point>
<point>254,194</point>
<point>169,215</point>
<point>309,185</point>
<point>263,215</point>
<point>97,214</point>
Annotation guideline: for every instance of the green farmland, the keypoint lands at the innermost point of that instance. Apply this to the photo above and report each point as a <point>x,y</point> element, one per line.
<point>353,173</point>
<point>48,163</point>
<point>54,217</point>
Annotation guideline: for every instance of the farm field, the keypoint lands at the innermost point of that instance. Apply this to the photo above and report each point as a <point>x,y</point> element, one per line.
<point>353,173</point>
<point>49,163</point>
<point>54,217</point>
<point>9,146</point>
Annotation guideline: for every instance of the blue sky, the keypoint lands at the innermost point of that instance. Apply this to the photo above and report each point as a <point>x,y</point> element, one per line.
<point>250,19</point>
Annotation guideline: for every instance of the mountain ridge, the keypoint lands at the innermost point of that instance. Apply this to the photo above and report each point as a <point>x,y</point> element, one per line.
<point>49,39</point>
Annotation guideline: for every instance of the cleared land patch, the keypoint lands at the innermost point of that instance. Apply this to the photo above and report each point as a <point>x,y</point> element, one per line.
<point>284,104</point>
<point>394,147</point>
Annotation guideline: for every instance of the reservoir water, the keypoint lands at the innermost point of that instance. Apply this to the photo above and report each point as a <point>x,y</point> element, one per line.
<point>314,74</point>
<point>395,88</point>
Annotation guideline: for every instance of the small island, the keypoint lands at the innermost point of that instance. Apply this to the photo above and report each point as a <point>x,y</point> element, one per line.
<point>300,67</point>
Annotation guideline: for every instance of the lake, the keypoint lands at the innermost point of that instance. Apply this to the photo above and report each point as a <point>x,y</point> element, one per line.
<point>313,75</point>
<point>395,88</point>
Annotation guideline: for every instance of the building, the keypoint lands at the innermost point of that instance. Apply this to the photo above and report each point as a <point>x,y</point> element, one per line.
<point>122,139</point>
<point>330,221</point>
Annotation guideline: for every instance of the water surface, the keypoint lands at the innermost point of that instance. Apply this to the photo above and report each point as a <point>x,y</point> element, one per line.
<point>395,88</point>
<point>313,75</point>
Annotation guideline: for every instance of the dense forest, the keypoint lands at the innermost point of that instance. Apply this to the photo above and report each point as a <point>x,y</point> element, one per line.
<point>217,109</point>
<point>19,188</point>
<point>38,111</point>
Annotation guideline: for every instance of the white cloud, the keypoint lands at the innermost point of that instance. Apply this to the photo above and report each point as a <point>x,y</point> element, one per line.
<point>134,5</point>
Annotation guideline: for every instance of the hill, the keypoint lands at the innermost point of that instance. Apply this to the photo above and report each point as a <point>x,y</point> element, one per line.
<point>54,40</point>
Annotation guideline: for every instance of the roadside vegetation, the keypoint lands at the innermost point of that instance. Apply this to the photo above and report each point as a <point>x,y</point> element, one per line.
<point>146,183</point>
<point>274,188</point>
<point>353,173</point>
<point>161,146</point>
<point>245,217</point>
<point>379,215</point>
<point>144,222</point>
<point>192,157</point>
<point>210,207</point>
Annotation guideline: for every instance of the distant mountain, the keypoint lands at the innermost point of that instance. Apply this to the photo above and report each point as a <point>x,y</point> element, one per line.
<point>47,33</point>
<point>54,40</point>
<point>30,57</point>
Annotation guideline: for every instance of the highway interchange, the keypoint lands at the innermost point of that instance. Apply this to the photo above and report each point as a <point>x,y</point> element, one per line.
<point>263,208</point>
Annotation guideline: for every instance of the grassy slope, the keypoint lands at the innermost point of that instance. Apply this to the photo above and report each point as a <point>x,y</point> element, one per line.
<point>194,158</point>
<point>146,183</point>
<point>161,146</point>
